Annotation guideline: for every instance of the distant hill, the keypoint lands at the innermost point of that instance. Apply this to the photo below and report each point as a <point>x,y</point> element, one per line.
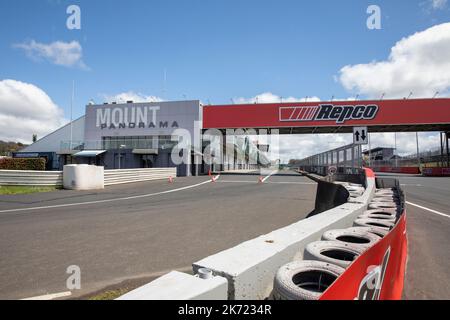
<point>7,147</point>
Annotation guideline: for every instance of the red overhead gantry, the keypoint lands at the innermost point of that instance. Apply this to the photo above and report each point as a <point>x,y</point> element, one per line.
<point>333,116</point>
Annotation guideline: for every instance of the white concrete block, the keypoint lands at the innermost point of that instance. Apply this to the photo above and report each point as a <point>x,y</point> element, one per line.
<point>83,177</point>
<point>180,286</point>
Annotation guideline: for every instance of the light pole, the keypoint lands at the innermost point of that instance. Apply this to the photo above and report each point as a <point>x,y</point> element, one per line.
<point>395,146</point>
<point>417,146</point>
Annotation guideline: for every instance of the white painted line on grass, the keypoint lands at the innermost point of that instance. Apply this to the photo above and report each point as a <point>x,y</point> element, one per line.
<point>110,200</point>
<point>428,209</point>
<point>51,296</point>
<point>270,174</point>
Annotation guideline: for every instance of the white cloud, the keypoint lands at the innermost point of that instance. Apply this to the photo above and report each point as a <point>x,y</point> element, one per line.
<point>268,97</point>
<point>131,96</point>
<point>302,146</point>
<point>419,63</point>
<point>26,110</point>
<point>68,54</point>
<point>438,4</point>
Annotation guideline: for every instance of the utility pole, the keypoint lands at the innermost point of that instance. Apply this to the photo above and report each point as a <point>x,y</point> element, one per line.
<point>395,146</point>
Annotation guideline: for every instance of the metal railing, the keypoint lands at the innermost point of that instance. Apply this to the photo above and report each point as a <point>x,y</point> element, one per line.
<point>346,159</point>
<point>30,178</point>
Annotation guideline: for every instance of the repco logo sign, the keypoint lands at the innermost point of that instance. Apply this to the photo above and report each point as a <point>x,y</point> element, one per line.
<point>328,112</point>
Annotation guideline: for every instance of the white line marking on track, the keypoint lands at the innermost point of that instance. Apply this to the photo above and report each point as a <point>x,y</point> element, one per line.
<point>110,200</point>
<point>428,209</point>
<point>270,174</point>
<point>50,296</point>
<point>270,182</point>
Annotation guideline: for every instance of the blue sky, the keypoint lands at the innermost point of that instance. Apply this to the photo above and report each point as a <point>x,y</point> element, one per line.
<point>212,50</point>
<point>215,51</point>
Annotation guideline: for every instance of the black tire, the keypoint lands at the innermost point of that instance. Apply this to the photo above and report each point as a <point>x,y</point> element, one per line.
<point>380,232</point>
<point>378,216</point>
<point>352,236</point>
<point>304,280</point>
<point>385,199</point>
<point>374,223</point>
<point>355,189</point>
<point>385,211</point>
<point>335,252</point>
<point>382,205</point>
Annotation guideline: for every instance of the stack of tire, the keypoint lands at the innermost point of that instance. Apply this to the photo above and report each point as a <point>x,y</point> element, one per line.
<point>325,260</point>
<point>355,190</point>
<point>383,211</point>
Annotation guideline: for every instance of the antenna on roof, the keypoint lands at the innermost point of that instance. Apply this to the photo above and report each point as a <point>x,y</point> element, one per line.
<point>306,99</point>
<point>410,94</point>
<point>332,97</point>
<point>281,99</point>
<point>382,96</point>
<point>357,96</point>
<point>232,101</point>
<point>436,94</point>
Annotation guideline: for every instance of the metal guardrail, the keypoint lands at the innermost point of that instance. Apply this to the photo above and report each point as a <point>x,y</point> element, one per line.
<point>30,178</point>
<point>120,176</point>
<point>55,178</point>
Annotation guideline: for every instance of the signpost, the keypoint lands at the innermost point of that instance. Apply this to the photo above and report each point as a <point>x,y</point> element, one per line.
<point>360,135</point>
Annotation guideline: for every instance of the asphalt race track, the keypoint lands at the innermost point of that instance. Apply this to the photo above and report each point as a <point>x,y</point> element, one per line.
<point>130,234</point>
<point>147,234</point>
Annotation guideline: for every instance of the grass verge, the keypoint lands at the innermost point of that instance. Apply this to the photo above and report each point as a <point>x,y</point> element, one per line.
<point>25,189</point>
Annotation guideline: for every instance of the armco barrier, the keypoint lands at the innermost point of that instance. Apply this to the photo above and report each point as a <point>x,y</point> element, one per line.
<point>31,178</point>
<point>250,267</point>
<point>55,178</point>
<point>135,175</point>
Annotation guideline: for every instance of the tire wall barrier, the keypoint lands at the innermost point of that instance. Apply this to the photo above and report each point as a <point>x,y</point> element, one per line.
<point>113,177</point>
<point>30,178</point>
<point>377,274</point>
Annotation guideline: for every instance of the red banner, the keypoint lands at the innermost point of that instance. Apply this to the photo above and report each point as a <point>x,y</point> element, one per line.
<point>436,172</point>
<point>328,114</point>
<point>408,170</point>
<point>378,274</point>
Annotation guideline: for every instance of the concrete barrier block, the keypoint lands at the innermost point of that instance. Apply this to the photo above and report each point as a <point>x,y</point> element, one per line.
<point>368,194</point>
<point>251,266</point>
<point>180,286</point>
<point>83,177</point>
